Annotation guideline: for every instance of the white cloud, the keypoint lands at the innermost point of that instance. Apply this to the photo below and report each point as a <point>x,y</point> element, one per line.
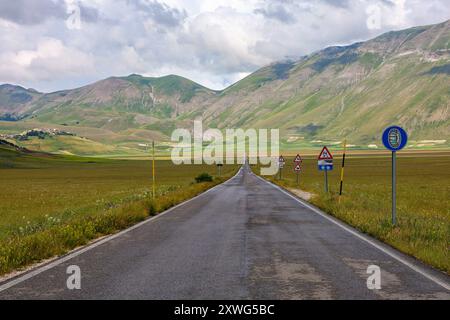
<point>212,42</point>
<point>49,61</point>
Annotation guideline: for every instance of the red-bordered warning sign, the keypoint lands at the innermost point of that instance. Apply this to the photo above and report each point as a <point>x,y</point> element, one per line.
<point>298,168</point>
<point>281,162</point>
<point>325,154</point>
<point>298,159</point>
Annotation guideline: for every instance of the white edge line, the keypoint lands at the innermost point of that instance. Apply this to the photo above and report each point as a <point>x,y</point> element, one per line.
<point>78,252</point>
<point>364,238</point>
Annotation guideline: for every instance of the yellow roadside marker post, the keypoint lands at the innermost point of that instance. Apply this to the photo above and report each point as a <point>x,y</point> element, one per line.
<point>153,170</point>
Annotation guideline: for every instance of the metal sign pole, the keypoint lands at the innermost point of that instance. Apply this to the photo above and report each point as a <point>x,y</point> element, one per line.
<point>325,163</point>
<point>281,163</point>
<point>394,188</point>
<point>153,170</point>
<point>394,139</point>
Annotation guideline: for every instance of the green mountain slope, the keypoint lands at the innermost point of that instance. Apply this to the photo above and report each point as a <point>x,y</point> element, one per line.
<point>15,101</point>
<point>401,77</point>
<point>121,103</point>
<point>354,91</point>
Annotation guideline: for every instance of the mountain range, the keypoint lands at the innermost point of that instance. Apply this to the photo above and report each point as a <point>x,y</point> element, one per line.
<point>401,77</point>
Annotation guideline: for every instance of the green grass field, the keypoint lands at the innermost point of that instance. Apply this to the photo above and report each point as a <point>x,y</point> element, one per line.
<point>423,202</point>
<point>51,204</point>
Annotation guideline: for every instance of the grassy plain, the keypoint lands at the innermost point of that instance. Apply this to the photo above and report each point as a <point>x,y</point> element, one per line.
<point>423,199</point>
<point>51,204</point>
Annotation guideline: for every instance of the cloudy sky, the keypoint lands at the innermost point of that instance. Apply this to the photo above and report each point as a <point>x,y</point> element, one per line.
<point>58,44</point>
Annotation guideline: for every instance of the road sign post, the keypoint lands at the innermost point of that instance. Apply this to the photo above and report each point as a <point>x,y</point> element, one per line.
<point>219,168</point>
<point>298,167</point>
<point>325,163</point>
<point>281,163</point>
<point>395,139</point>
<point>394,188</point>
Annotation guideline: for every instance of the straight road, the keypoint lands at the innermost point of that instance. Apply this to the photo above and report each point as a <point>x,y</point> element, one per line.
<point>245,239</point>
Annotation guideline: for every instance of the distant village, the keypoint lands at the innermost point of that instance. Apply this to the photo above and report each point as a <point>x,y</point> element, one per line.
<point>40,133</point>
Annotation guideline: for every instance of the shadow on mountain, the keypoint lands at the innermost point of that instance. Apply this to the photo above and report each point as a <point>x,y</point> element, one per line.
<point>445,69</point>
<point>281,70</point>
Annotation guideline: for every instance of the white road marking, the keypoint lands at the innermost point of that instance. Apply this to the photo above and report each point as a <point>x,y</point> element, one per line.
<point>78,252</point>
<point>387,251</point>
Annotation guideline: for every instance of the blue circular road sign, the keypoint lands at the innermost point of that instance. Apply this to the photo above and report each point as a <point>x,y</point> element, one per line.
<point>395,138</point>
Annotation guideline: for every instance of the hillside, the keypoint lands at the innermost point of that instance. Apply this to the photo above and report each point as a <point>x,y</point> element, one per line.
<point>13,156</point>
<point>354,91</point>
<point>15,101</point>
<point>119,111</point>
<point>120,103</point>
<point>55,141</point>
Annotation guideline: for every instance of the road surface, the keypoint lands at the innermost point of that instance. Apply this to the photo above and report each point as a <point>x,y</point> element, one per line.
<point>245,239</point>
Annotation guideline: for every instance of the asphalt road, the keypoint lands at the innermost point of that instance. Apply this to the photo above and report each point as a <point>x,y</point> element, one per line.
<point>245,239</point>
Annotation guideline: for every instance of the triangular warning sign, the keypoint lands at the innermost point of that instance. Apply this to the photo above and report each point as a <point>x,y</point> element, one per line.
<point>298,168</point>
<point>298,159</point>
<point>325,154</point>
<point>281,159</point>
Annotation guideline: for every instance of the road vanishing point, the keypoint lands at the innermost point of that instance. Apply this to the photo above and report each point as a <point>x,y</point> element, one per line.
<point>244,239</point>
